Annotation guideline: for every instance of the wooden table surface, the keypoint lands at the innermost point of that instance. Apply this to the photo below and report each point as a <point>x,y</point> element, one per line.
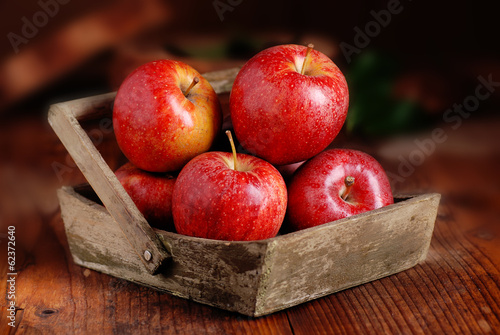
<point>456,289</point>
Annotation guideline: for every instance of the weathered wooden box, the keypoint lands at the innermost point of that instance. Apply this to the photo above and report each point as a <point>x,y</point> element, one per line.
<point>253,278</point>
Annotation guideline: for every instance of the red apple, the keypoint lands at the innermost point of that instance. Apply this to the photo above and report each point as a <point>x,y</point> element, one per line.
<point>224,196</point>
<point>336,184</point>
<point>151,193</point>
<point>288,103</point>
<point>164,114</point>
<point>288,170</point>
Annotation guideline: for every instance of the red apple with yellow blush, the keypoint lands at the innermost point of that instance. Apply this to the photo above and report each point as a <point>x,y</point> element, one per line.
<point>165,113</point>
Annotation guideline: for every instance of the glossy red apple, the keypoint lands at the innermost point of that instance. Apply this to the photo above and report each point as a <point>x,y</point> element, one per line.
<point>288,170</point>
<point>164,114</point>
<point>224,196</point>
<point>151,193</point>
<point>336,184</point>
<point>288,103</point>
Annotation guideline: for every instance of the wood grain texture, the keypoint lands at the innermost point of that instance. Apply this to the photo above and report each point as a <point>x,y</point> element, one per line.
<point>133,224</point>
<point>63,118</point>
<point>260,277</point>
<point>435,297</point>
<point>456,290</point>
<point>348,252</point>
<point>222,274</point>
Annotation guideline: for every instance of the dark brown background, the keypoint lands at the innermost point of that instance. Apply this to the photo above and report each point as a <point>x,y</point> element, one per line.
<point>90,46</point>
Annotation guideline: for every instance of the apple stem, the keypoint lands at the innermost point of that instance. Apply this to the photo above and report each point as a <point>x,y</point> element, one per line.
<point>195,81</point>
<point>306,58</point>
<point>233,148</point>
<point>348,181</point>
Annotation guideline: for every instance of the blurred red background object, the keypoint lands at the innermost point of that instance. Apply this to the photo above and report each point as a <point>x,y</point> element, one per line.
<point>40,62</point>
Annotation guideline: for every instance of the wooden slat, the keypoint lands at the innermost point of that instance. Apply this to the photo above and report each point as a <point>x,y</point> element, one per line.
<point>455,290</point>
<point>348,252</point>
<point>63,118</point>
<point>260,277</point>
<point>133,224</point>
<point>219,273</point>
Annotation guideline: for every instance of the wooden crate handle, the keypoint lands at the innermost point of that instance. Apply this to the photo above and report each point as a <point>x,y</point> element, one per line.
<point>64,120</point>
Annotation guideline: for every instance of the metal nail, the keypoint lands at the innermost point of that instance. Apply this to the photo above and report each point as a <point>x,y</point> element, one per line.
<point>147,255</point>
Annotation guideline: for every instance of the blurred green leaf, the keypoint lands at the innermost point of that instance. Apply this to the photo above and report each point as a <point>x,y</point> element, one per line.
<point>373,108</point>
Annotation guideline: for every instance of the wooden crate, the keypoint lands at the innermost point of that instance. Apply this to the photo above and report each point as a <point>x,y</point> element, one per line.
<point>253,278</point>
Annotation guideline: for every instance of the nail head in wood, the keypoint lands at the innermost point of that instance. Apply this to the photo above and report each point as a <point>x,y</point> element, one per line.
<point>147,255</point>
